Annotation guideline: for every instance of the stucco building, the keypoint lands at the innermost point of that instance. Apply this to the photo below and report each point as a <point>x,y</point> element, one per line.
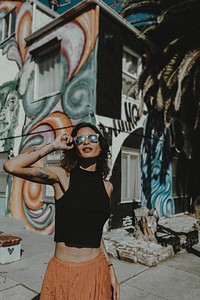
<point>56,71</point>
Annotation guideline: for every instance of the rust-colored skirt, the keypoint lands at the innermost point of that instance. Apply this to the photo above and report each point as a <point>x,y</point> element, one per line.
<point>88,280</point>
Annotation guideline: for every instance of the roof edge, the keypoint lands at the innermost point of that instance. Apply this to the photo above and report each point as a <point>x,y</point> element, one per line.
<point>76,9</point>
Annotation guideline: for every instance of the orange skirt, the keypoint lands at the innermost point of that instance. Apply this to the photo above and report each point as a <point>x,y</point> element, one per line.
<point>89,280</point>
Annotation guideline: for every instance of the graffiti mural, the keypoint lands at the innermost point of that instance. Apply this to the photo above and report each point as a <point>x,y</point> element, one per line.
<point>26,197</point>
<point>9,114</point>
<point>47,118</point>
<point>156,167</point>
<point>28,120</point>
<point>14,47</point>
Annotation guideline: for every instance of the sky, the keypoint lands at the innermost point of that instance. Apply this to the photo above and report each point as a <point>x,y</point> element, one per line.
<point>117,5</point>
<point>63,7</point>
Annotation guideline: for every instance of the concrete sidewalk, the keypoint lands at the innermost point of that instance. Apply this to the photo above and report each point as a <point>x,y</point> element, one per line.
<point>176,278</point>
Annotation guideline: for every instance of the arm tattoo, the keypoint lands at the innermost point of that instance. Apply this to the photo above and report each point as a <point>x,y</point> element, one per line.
<point>38,173</point>
<point>41,174</point>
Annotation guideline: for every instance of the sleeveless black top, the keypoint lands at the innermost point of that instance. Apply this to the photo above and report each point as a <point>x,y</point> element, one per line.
<point>82,210</point>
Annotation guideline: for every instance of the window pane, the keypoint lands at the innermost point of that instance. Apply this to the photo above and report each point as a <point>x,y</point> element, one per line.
<point>124,194</point>
<point>3,158</point>
<point>129,63</point>
<point>49,72</point>
<point>9,25</point>
<point>54,156</point>
<point>6,26</point>
<point>1,30</point>
<point>129,73</point>
<point>127,83</point>
<point>130,182</point>
<point>13,18</point>
<point>3,178</point>
<point>134,177</point>
<point>3,174</point>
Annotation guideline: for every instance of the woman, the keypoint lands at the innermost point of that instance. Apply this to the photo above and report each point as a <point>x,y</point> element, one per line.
<point>80,268</point>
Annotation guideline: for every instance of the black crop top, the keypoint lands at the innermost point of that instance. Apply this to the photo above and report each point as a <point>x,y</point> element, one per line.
<point>82,210</point>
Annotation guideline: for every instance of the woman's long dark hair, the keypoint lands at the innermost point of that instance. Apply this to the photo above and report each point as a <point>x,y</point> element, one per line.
<point>70,158</point>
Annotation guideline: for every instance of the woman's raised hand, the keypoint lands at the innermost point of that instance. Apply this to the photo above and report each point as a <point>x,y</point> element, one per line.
<point>63,142</point>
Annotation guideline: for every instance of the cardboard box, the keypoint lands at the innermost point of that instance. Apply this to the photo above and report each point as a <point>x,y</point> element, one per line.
<point>10,248</point>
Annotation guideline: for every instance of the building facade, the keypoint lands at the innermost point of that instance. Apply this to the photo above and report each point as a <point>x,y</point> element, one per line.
<point>59,70</point>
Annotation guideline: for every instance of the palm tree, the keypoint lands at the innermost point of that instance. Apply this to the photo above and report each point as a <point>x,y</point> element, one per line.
<point>170,80</point>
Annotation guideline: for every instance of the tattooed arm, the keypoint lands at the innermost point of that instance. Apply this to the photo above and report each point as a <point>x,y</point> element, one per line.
<point>22,165</point>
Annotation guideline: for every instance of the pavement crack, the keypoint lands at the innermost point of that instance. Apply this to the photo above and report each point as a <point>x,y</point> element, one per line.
<point>134,276</point>
<point>149,293</point>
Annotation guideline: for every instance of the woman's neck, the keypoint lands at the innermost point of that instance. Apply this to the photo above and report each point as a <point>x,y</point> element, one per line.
<point>89,165</point>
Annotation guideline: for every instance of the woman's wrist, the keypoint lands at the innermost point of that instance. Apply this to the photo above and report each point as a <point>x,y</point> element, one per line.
<point>40,152</point>
<point>52,147</point>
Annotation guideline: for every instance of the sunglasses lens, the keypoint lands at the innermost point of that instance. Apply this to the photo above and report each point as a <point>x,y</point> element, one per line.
<point>93,138</point>
<point>79,139</point>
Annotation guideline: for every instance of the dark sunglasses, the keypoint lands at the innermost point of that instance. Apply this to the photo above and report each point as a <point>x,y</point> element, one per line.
<point>92,138</point>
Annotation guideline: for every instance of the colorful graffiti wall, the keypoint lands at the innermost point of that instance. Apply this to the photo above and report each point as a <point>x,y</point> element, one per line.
<point>41,121</point>
<point>27,121</point>
<point>156,167</point>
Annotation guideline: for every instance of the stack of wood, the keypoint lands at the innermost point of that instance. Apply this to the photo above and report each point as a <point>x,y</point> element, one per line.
<point>145,224</point>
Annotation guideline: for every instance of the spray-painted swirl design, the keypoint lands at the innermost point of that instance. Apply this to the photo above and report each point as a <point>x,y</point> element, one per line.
<point>79,95</point>
<point>155,193</point>
<point>39,118</point>
<point>15,47</point>
<point>26,197</point>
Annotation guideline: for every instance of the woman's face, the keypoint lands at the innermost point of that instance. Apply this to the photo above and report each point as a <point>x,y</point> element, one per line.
<point>87,143</point>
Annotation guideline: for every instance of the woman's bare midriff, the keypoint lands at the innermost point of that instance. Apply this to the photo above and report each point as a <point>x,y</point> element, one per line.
<point>73,254</point>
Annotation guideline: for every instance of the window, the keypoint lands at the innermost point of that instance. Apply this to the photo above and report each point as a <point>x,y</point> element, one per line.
<point>48,75</point>
<point>130,182</point>
<point>1,30</point>
<point>130,64</point>
<point>52,159</point>
<point>9,24</point>
<point>3,174</point>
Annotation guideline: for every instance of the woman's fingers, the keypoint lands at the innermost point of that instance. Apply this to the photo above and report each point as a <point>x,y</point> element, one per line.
<point>68,141</point>
<point>64,136</point>
<point>64,142</point>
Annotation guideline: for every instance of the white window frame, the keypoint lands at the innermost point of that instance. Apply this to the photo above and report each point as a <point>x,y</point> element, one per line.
<point>52,159</point>
<point>129,152</point>
<point>38,81</point>
<point>8,25</point>
<point>125,72</point>
<point>1,29</point>
<point>3,174</point>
